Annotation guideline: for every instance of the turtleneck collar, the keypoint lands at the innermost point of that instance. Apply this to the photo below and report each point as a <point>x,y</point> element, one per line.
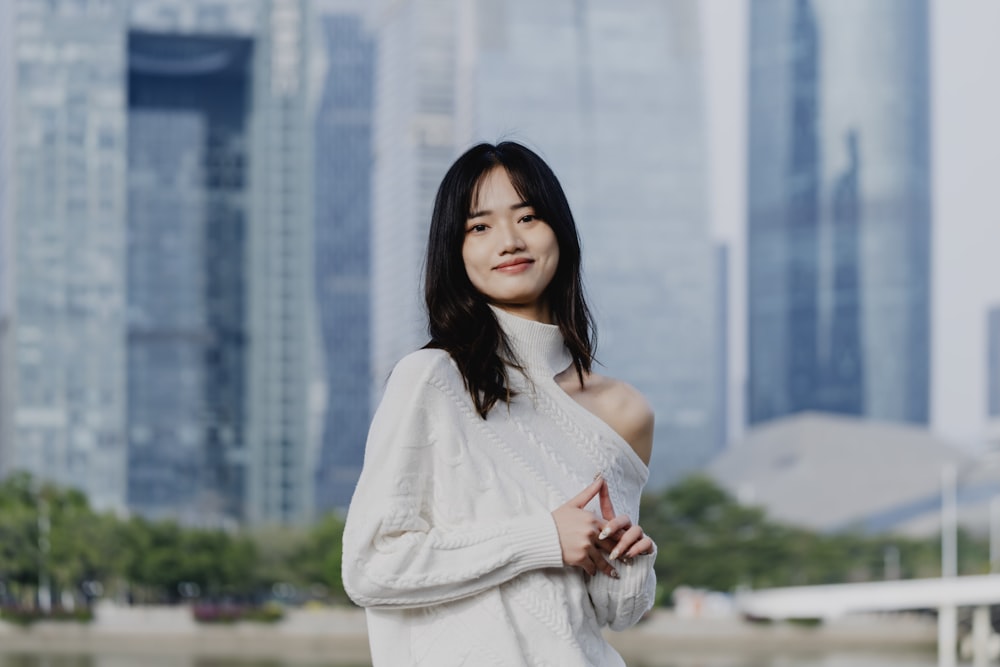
<point>539,347</point>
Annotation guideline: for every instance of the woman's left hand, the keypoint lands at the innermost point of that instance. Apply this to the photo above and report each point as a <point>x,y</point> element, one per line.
<point>620,538</point>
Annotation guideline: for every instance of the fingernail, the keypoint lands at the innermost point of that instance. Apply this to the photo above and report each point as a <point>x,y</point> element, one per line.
<point>604,534</point>
<point>599,474</point>
<point>614,553</point>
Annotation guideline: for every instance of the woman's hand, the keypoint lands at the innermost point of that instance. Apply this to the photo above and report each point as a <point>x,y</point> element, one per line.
<point>579,529</point>
<point>619,536</point>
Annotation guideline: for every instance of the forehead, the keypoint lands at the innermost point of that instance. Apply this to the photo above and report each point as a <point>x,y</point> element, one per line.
<point>494,187</point>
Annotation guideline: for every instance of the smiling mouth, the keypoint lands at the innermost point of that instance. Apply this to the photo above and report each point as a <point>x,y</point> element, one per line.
<point>514,264</point>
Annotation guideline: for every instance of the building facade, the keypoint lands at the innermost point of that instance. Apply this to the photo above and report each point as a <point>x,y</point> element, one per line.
<point>611,97</point>
<point>6,211</point>
<point>162,174</point>
<point>343,162</point>
<point>67,405</point>
<point>839,209</point>
<point>187,225</point>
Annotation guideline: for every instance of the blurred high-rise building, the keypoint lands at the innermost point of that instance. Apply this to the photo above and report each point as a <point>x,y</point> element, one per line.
<point>6,209</point>
<point>414,142</point>
<point>610,95</point>
<point>186,263</point>
<point>162,174</point>
<point>839,216</point>
<point>67,404</point>
<point>343,229</point>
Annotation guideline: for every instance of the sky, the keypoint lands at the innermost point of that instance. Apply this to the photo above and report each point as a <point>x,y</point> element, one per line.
<point>965,218</point>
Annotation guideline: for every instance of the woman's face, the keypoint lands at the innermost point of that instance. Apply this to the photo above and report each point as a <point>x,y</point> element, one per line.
<point>510,255</point>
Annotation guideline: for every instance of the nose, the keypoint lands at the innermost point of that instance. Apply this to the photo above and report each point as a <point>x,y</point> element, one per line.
<point>512,241</point>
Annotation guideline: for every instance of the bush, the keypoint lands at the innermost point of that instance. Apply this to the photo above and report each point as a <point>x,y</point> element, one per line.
<point>25,616</point>
<point>231,613</point>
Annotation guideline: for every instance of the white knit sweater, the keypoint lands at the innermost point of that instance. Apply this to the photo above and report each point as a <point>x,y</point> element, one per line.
<point>450,542</point>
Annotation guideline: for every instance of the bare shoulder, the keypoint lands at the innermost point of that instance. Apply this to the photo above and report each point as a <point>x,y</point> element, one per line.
<point>620,405</point>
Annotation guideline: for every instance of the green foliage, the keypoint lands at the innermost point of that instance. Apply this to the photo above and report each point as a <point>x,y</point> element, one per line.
<point>707,540</point>
<point>154,561</point>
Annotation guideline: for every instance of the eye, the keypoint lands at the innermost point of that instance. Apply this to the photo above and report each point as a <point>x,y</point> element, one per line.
<point>528,218</point>
<point>477,228</point>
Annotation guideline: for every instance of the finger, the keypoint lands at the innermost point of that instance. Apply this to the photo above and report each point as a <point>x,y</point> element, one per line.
<point>642,547</point>
<point>619,523</point>
<point>607,509</point>
<point>602,564</point>
<point>584,497</point>
<point>628,540</point>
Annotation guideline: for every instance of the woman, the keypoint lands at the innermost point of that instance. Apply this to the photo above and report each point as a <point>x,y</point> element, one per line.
<point>493,523</point>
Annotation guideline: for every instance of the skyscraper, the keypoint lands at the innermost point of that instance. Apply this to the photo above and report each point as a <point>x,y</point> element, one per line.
<point>839,209</point>
<point>414,142</point>
<point>610,96</point>
<point>162,346</point>
<point>67,403</point>
<point>227,82</point>
<point>6,126</point>
<point>187,226</point>
<point>343,231</point>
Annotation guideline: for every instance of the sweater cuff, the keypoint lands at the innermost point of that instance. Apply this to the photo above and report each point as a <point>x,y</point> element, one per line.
<point>637,570</point>
<point>536,542</point>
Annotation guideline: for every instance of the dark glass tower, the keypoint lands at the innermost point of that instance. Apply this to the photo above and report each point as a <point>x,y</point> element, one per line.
<point>839,209</point>
<point>187,155</point>
<point>342,241</point>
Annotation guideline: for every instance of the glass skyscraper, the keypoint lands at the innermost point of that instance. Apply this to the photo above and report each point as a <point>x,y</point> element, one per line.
<point>414,142</point>
<point>67,403</point>
<point>839,209</point>
<point>163,180</point>
<point>6,209</point>
<point>342,249</point>
<point>610,95</point>
<point>187,230</point>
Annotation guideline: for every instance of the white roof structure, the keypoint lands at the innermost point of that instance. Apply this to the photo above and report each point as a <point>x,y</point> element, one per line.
<point>831,472</point>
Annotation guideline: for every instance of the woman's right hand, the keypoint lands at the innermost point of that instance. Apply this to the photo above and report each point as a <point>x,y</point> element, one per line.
<point>578,532</point>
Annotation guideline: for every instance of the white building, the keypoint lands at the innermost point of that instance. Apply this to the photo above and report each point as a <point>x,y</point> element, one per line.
<point>836,472</point>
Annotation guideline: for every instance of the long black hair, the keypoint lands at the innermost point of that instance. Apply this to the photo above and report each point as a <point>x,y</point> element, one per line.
<point>460,320</point>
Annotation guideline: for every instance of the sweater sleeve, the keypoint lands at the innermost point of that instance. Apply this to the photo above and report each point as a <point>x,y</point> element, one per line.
<point>620,603</point>
<point>394,553</point>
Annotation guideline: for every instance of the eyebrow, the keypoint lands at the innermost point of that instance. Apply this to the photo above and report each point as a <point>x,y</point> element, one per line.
<point>482,214</point>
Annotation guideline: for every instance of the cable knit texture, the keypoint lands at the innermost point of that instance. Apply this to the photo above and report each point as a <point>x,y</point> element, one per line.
<point>450,542</point>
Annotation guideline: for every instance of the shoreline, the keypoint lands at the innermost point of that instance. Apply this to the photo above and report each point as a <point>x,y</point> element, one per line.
<point>338,636</point>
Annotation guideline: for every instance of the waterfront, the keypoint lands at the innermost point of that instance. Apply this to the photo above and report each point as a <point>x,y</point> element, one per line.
<point>335,637</point>
<point>695,659</point>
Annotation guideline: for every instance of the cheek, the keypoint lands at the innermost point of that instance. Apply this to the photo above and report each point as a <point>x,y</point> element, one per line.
<point>470,261</point>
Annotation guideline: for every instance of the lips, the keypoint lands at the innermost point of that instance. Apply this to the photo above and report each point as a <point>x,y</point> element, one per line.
<point>515,266</point>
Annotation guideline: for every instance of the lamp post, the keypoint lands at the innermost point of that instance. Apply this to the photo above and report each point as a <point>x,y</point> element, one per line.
<point>948,614</point>
<point>44,526</point>
<point>994,534</point>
